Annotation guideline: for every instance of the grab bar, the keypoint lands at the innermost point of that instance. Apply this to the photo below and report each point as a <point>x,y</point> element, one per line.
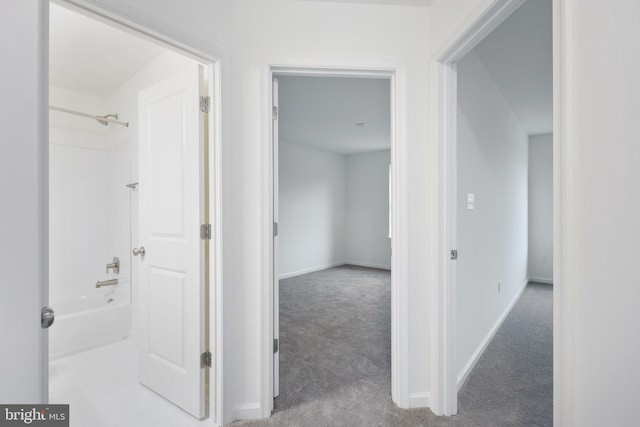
<point>111,282</point>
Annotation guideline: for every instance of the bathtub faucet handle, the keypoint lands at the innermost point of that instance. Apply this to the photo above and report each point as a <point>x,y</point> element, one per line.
<point>115,265</point>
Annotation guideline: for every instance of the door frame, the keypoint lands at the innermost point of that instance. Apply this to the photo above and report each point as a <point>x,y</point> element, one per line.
<point>399,285</point>
<point>212,64</point>
<point>481,22</point>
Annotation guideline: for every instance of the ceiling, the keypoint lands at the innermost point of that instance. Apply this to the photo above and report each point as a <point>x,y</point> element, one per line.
<point>323,112</point>
<point>387,2</point>
<point>91,57</point>
<point>519,56</point>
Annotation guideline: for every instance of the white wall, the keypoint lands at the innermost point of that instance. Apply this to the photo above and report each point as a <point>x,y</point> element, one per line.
<point>597,286</point>
<point>598,282</point>
<point>334,209</point>
<point>368,242</point>
<point>313,202</point>
<point>541,208</point>
<point>23,214</point>
<point>492,238</point>
<point>314,33</point>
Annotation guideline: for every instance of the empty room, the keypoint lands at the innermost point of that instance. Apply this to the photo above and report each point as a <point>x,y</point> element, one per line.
<point>333,246</point>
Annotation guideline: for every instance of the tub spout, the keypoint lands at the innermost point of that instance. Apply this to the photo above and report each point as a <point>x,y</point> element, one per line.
<point>111,282</point>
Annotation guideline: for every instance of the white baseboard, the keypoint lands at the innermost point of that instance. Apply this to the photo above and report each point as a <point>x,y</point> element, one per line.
<point>368,264</point>
<point>248,411</point>
<point>464,374</point>
<point>547,280</point>
<point>419,400</point>
<point>309,270</point>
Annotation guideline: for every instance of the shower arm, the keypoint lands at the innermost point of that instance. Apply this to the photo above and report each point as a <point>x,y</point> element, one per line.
<point>91,116</point>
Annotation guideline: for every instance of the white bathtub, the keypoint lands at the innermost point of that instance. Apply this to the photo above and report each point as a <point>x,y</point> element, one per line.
<point>86,323</point>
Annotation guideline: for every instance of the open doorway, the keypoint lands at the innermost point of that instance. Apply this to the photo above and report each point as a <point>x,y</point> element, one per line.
<point>132,180</point>
<point>501,193</point>
<point>332,151</point>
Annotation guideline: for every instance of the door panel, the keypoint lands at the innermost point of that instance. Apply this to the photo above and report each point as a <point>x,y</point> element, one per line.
<point>171,277</point>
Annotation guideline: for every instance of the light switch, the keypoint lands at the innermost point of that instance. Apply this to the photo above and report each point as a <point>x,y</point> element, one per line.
<point>471,201</point>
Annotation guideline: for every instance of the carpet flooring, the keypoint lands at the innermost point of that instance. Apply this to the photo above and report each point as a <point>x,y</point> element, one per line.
<point>335,359</point>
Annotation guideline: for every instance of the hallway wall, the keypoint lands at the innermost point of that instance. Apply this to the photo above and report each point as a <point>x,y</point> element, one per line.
<point>541,208</point>
<point>492,237</point>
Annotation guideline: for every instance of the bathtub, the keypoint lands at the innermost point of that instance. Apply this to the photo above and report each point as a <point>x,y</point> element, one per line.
<point>86,323</point>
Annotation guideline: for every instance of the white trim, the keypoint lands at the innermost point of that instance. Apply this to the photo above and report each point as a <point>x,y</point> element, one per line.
<point>43,183</point>
<point>471,363</point>
<point>478,25</point>
<point>546,280</point>
<point>563,213</point>
<point>182,44</point>
<point>419,400</point>
<point>247,411</point>
<point>367,264</point>
<point>443,331</point>
<point>399,292</point>
<point>310,270</point>
<point>211,60</point>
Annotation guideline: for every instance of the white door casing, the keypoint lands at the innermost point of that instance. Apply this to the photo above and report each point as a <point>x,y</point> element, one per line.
<point>172,303</point>
<point>276,248</point>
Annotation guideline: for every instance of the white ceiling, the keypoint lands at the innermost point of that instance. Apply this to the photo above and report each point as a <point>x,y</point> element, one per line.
<point>518,55</point>
<point>424,3</point>
<point>91,57</point>
<point>322,112</point>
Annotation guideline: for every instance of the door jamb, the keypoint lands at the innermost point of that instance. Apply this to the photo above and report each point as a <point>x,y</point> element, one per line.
<point>399,292</point>
<point>211,62</point>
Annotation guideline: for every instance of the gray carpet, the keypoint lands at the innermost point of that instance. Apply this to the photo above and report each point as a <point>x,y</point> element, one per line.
<point>335,346</point>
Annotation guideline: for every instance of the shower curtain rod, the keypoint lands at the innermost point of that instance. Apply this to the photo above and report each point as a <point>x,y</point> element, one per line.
<point>102,119</point>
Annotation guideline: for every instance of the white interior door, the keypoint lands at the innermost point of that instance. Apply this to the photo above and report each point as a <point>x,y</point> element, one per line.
<point>172,303</point>
<point>276,258</point>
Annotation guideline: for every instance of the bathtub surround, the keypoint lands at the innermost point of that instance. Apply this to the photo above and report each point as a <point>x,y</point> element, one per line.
<point>89,226</point>
<point>87,323</point>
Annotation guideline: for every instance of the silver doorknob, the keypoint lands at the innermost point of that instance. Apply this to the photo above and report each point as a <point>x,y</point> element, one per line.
<point>47,316</point>
<point>139,251</point>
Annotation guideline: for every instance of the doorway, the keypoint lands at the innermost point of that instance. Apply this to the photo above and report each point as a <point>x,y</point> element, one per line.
<point>134,171</point>
<point>291,266</point>
<point>464,206</point>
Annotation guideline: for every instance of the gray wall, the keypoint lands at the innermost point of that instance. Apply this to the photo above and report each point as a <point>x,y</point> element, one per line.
<point>541,208</point>
<point>313,201</point>
<point>368,240</point>
<point>334,209</point>
<point>492,238</point>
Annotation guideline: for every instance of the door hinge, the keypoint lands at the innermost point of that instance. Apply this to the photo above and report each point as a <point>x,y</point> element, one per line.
<point>205,103</point>
<point>454,254</point>
<point>274,113</point>
<point>206,359</point>
<point>275,229</point>
<point>276,345</point>
<point>205,232</point>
